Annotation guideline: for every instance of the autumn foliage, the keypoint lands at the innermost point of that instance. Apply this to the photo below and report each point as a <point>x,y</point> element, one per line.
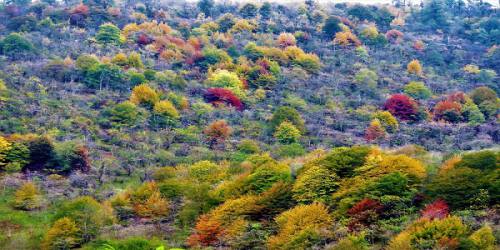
<point>402,106</point>
<point>217,96</point>
<point>364,213</point>
<point>217,132</point>
<point>439,209</point>
<point>207,233</point>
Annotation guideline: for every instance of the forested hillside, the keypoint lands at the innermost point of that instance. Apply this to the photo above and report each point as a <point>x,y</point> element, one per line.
<point>276,125</point>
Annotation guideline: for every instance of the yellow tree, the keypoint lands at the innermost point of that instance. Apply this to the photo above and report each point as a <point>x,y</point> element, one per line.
<point>414,67</point>
<point>144,94</point>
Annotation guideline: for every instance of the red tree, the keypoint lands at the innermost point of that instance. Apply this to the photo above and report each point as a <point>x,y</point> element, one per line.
<point>448,111</point>
<point>218,96</point>
<point>402,106</point>
<point>436,210</point>
<point>364,213</point>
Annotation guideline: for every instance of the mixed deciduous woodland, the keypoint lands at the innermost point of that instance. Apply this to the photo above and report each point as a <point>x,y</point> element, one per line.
<point>137,125</point>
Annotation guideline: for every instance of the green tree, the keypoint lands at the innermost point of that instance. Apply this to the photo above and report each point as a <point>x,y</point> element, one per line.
<point>108,34</point>
<point>248,10</point>
<point>206,6</point>
<point>315,184</point>
<point>88,214</point>
<point>15,45</point>
<point>366,77</point>
<point>285,113</point>
<point>265,11</point>
<point>417,90</point>
<point>331,27</point>
<point>287,133</point>
<point>124,114</point>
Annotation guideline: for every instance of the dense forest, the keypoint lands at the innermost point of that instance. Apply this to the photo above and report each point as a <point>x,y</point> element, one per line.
<point>137,125</point>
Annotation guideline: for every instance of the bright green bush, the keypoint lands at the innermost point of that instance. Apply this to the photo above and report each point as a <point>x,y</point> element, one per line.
<point>315,184</point>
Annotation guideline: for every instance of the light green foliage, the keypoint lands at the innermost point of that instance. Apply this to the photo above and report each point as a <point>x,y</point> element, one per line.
<point>366,77</point>
<point>226,79</point>
<point>315,184</point>
<point>85,61</point>
<point>89,215</point>
<point>289,114</point>
<point>108,34</point>
<point>134,60</point>
<point>417,90</point>
<point>287,133</point>
<point>205,171</point>
<point>472,113</point>
<point>124,114</point>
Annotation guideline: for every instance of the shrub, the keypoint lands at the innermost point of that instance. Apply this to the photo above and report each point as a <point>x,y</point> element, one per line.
<point>124,114</point>
<point>343,160</point>
<point>346,38</point>
<point>394,36</point>
<point>5,147</point>
<point>364,213</point>
<point>144,94</point>
<point>286,39</point>
<point>366,77</point>
<point>225,79</point>
<point>375,131</point>
<point>309,62</point>
<point>482,94</point>
<point>436,210</point>
<point>15,45</point>
<point>221,95</point>
<point>485,160</point>
<point>166,112</point>
<point>27,197</point>
<point>88,215</point>
<point>417,90</point>
<point>289,114</point>
<point>448,111</point>
<point>217,132</point>
<point>457,186</point>
<point>134,60</point>
<point>414,67</point>
<point>248,146</point>
<point>207,233</point>
<point>431,234</point>
<point>315,184</point>
<point>85,62</point>
<point>483,238</point>
<point>387,120</point>
<point>64,234</point>
<point>287,133</point>
<point>265,175</point>
<point>108,34</point>
<point>301,227</point>
<point>402,106</point>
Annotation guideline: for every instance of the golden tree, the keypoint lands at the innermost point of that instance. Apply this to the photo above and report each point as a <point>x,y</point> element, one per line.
<point>414,67</point>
